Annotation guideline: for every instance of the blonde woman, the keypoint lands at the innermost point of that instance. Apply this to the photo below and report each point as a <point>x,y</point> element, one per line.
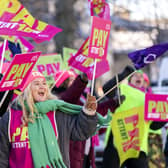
<point>33,135</point>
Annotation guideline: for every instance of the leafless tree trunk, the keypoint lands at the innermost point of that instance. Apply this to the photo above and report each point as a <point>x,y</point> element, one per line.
<point>65,18</point>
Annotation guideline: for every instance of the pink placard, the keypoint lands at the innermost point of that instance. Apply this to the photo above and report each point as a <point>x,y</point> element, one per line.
<point>99,38</point>
<point>86,65</point>
<point>18,71</point>
<point>156,107</point>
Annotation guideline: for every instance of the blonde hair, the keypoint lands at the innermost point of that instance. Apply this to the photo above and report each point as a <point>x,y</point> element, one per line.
<point>26,96</point>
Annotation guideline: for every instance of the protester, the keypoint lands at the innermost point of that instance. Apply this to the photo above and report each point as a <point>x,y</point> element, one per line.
<point>137,80</point>
<point>111,156</point>
<point>36,129</point>
<point>81,152</point>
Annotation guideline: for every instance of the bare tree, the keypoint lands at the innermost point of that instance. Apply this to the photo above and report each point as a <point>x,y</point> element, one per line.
<point>65,18</point>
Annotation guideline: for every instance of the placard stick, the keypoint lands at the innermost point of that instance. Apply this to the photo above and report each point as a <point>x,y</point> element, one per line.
<point>93,78</point>
<point>115,86</point>
<point>118,90</point>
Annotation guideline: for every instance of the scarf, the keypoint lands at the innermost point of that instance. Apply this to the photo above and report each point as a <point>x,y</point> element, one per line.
<point>44,147</point>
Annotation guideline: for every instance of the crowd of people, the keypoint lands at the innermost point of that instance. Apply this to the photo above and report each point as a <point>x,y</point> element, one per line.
<point>58,126</point>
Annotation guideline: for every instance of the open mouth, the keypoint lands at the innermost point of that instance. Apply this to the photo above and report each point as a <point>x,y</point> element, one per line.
<point>138,81</point>
<point>41,93</point>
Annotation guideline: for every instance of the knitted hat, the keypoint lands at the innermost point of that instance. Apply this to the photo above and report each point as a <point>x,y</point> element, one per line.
<point>61,76</point>
<point>145,76</point>
<point>33,75</point>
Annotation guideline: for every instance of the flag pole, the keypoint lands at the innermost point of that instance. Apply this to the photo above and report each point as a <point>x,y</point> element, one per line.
<point>93,78</point>
<point>115,86</point>
<point>3,54</point>
<point>118,90</point>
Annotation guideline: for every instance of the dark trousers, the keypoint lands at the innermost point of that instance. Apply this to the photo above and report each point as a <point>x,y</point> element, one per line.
<point>86,161</point>
<point>111,158</point>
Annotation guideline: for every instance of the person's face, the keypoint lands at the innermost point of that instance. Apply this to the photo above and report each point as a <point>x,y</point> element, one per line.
<point>137,80</point>
<point>39,89</point>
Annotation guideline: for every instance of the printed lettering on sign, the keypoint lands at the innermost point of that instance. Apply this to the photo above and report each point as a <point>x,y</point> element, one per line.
<point>98,42</point>
<point>156,107</point>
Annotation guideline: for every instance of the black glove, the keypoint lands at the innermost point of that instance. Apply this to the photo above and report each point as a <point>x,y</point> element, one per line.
<point>15,49</point>
<point>116,99</point>
<point>112,82</point>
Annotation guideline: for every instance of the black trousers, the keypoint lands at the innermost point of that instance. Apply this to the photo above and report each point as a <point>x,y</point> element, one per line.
<point>111,158</point>
<point>86,162</point>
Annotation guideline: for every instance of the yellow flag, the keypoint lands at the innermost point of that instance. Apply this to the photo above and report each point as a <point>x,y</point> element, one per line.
<point>130,132</point>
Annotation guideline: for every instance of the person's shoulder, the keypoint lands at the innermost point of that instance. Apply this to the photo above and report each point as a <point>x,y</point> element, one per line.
<point>4,119</point>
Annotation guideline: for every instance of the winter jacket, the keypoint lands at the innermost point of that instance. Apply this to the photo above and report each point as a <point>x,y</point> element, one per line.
<point>72,95</point>
<point>74,127</point>
<point>111,148</point>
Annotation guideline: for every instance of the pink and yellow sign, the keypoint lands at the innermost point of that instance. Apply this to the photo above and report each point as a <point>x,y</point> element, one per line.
<point>98,43</point>
<point>83,50</point>
<point>16,20</point>
<point>99,8</point>
<point>18,71</point>
<point>156,107</point>
<point>86,65</point>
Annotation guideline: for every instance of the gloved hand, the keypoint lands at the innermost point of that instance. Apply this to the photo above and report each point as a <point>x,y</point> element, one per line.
<point>90,105</point>
<point>119,100</point>
<point>112,82</point>
<point>15,49</point>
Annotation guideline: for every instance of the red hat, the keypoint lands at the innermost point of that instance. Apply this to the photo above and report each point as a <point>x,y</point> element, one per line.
<point>33,75</point>
<point>61,76</point>
<point>145,76</point>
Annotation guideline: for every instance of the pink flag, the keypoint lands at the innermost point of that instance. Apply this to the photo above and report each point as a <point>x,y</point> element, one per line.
<point>16,20</point>
<point>83,63</point>
<point>86,65</point>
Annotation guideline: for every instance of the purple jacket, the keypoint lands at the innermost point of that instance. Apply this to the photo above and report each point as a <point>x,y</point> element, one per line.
<point>72,95</point>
